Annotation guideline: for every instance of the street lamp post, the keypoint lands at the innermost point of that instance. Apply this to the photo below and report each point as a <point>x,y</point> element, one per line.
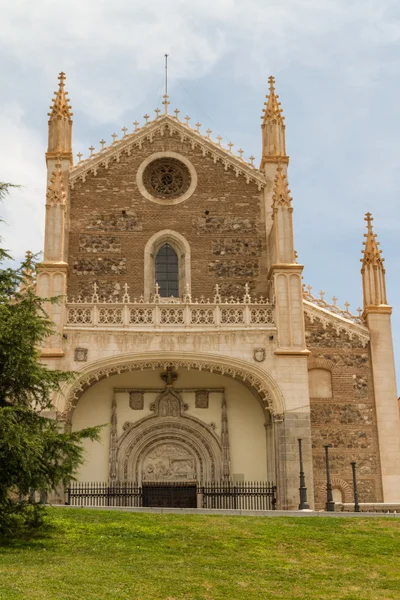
<point>356,504</point>
<point>330,505</point>
<point>302,489</point>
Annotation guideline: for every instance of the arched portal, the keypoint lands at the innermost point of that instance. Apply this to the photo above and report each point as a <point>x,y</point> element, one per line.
<point>202,426</point>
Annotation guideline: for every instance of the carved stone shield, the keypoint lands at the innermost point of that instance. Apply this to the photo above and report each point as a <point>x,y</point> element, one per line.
<point>259,354</point>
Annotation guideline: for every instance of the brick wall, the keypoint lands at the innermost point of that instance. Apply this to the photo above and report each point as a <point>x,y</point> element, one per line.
<point>111,222</point>
<point>347,421</point>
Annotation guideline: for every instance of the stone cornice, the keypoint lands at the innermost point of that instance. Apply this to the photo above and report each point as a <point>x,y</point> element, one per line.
<point>166,125</point>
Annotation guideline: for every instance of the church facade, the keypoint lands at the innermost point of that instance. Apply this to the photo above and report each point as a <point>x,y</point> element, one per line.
<point>185,319</point>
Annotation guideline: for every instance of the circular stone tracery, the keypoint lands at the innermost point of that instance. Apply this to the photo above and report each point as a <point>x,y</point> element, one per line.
<point>166,178</point>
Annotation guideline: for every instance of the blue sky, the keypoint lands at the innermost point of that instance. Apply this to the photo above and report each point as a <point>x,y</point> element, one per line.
<point>336,64</point>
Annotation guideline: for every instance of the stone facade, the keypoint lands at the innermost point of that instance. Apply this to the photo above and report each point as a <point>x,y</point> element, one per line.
<point>223,205</point>
<point>347,420</point>
<point>219,379</point>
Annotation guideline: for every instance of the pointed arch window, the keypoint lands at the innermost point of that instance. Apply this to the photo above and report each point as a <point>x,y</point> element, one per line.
<point>167,271</point>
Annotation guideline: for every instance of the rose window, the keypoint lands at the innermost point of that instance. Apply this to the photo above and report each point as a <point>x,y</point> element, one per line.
<point>166,178</point>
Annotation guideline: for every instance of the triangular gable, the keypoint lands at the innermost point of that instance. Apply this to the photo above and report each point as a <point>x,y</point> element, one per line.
<point>163,125</point>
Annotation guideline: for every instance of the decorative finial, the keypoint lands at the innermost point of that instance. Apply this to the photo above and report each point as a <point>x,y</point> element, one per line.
<point>124,130</point>
<point>60,106</point>
<point>219,139</point>
<point>187,119</point>
<point>146,116</point>
<point>251,159</point>
<point>198,125</point>
<point>114,137</point>
<point>103,143</point>
<point>136,124</point>
<point>372,254</point>
<point>209,132</point>
<point>166,102</point>
<point>240,152</point>
<point>177,111</point>
<point>347,305</point>
<point>372,270</point>
<point>157,111</point>
<point>334,300</point>
<point>273,109</point>
<point>79,155</point>
<point>273,129</point>
<point>230,146</point>
<point>92,149</point>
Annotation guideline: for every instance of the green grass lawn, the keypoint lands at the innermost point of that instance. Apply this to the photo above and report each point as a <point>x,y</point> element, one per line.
<point>99,555</point>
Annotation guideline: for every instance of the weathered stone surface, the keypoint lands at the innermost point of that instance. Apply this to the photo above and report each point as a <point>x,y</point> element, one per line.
<point>343,438</point>
<point>318,337</point>
<point>118,220</point>
<point>105,266</point>
<point>209,224</point>
<point>346,414</point>
<point>233,247</point>
<point>360,386</point>
<point>358,361</point>
<point>234,269</point>
<point>235,290</point>
<point>99,243</point>
<point>105,288</point>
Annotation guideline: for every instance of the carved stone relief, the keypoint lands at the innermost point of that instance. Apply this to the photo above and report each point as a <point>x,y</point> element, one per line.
<point>169,406</point>
<point>202,398</point>
<point>80,354</point>
<point>136,399</point>
<point>169,462</point>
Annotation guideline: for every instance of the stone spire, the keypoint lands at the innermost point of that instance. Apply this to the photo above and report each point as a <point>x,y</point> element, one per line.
<point>372,270</point>
<point>273,129</point>
<point>60,124</point>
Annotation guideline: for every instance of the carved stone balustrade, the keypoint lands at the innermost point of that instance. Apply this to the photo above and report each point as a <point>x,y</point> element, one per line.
<point>177,314</point>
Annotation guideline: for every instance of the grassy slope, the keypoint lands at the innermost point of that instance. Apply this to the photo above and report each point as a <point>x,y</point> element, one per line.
<point>100,555</point>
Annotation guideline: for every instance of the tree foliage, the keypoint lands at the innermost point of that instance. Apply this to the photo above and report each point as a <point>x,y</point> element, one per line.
<point>35,452</point>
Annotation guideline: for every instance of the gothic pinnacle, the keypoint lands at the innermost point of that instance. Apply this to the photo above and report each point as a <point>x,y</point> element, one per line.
<point>372,270</point>
<point>60,106</point>
<point>273,129</point>
<point>371,254</point>
<point>60,125</point>
<point>273,109</point>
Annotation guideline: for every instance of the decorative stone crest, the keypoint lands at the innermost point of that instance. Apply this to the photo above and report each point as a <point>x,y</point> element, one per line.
<point>259,354</point>
<point>136,399</point>
<point>202,398</point>
<point>81,354</point>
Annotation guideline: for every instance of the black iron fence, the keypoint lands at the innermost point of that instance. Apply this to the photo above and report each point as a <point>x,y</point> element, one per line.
<point>246,495</point>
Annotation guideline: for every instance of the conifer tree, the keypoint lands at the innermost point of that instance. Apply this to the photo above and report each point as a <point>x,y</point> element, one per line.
<point>35,452</point>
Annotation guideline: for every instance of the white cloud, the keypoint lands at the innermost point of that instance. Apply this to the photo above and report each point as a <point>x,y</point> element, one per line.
<point>22,163</point>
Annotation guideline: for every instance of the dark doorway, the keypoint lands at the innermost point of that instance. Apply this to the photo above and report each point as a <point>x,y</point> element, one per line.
<point>170,495</point>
